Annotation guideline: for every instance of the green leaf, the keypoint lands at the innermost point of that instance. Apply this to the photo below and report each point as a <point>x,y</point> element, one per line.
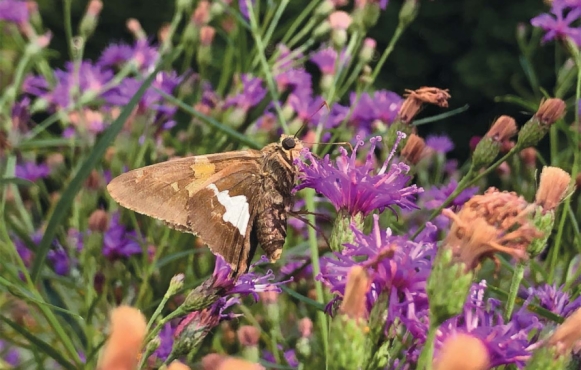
<point>15,180</point>
<point>302,298</point>
<point>68,196</point>
<point>40,344</point>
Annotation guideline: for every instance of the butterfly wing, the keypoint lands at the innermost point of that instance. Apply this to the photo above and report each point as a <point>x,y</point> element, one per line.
<point>210,196</point>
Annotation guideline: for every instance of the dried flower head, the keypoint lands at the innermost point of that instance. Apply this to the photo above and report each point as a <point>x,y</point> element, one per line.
<point>554,186</point>
<point>99,221</point>
<point>490,223</point>
<point>354,300</point>
<point>529,156</point>
<point>463,352</point>
<point>176,365</point>
<point>414,149</point>
<point>215,361</point>
<point>248,335</point>
<point>430,95</point>
<point>127,331</point>
<point>502,129</point>
<point>567,334</point>
<point>550,111</point>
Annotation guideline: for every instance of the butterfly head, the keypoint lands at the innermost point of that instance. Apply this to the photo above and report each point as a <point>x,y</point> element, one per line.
<point>290,145</point>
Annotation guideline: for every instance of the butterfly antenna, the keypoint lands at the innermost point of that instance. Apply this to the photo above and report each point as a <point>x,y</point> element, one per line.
<point>306,221</point>
<point>340,143</point>
<point>323,104</point>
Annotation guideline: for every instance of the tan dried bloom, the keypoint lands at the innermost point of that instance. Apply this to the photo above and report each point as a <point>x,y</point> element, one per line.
<point>306,327</point>
<point>502,129</point>
<point>489,223</point>
<point>201,16</point>
<point>340,20</point>
<point>414,149</point>
<point>94,8</point>
<point>529,156</point>
<point>176,365</point>
<point>135,28</point>
<point>248,335</point>
<point>550,111</point>
<point>99,221</point>
<point>127,331</point>
<point>354,300</point>
<point>430,95</point>
<point>215,361</point>
<point>554,186</point>
<point>409,108</point>
<point>463,352</point>
<point>207,35</point>
<point>567,334</point>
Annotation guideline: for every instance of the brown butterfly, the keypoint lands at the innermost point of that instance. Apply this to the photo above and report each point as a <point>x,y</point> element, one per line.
<point>233,200</point>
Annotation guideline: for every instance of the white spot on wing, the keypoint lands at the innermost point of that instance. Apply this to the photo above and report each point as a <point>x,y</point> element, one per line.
<point>237,210</point>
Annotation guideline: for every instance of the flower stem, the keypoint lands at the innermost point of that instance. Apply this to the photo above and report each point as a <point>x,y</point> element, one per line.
<point>425,360</point>
<point>396,35</point>
<point>514,285</point>
<point>314,248</point>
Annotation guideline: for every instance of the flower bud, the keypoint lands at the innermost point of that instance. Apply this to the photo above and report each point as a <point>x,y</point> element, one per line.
<point>201,16</point>
<point>342,232</point>
<point>89,21</point>
<point>192,330</point>
<point>408,12</point>
<point>322,30</point>
<point>538,126</point>
<point>248,336</point>
<point>135,29</point>
<point>184,6</point>
<point>502,129</point>
<point>339,22</point>
<point>489,147</point>
<point>367,50</point>
<point>463,352</point>
<point>414,149</point>
<point>176,284</point>
<point>325,8</point>
<point>99,221</point>
<point>306,327</point>
<point>207,35</point>
<point>354,300</point>
<point>529,157</point>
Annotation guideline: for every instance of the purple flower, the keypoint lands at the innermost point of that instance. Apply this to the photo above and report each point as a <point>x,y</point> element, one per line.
<point>59,259</point>
<point>326,58</point>
<point>244,9</point>
<point>252,94</point>
<point>13,11</point>
<point>118,242</point>
<point>31,171</point>
<point>166,342</point>
<point>398,266</point>
<point>9,355</point>
<point>507,343</point>
<point>554,299</point>
<point>440,143</point>
<point>435,196</point>
<point>21,115</point>
<point>356,188</point>
<point>362,3</point>
<point>289,76</point>
<point>557,24</point>
<point>142,54</point>
<point>249,283</point>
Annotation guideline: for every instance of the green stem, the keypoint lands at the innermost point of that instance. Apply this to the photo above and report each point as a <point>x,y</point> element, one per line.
<point>425,360</point>
<point>517,277</point>
<point>396,35</point>
<point>314,248</point>
<point>298,20</point>
<point>265,67</point>
<point>68,28</point>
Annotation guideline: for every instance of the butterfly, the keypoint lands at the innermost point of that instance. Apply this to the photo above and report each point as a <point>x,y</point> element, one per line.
<point>233,201</point>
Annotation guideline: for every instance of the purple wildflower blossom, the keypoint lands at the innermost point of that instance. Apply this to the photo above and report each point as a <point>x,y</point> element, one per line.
<point>252,93</point>
<point>289,76</point>
<point>249,283</point>
<point>554,299</point>
<point>142,54</point>
<point>244,9</point>
<point>397,265</point>
<point>60,260</point>
<point>31,171</point>
<point>326,59</point>
<point>9,355</point>
<point>13,11</point>
<point>118,242</point>
<point>435,196</point>
<point>557,24</point>
<point>166,342</point>
<point>507,343</point>
<point>356,188</point>
<point>440,143</point>
<point>20,115</point>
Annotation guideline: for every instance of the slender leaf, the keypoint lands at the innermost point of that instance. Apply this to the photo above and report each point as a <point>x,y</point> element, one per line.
<point>16,181</point>
<point>303,299</point>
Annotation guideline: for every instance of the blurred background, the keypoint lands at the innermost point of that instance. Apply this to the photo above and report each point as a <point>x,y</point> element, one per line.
<point>467,46</point>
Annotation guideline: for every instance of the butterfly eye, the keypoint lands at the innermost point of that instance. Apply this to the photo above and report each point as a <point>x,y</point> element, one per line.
<point>288,143</point>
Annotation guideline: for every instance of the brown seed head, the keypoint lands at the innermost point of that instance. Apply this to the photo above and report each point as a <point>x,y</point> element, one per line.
<point>414,149</point>
<point>463,352</point>
<point>430,95</point>
<point>99,221</point>
<point>248,335</point>
<point>554,186</point>
<point>358,283</point>
<point>502,129</point>
<point>94,8</point>
<point>550,111</point>
<point>567,334</point>
<point>409,108</point>
<point>127,331</point>
<point>529,156</point>
<point>94,180</point>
